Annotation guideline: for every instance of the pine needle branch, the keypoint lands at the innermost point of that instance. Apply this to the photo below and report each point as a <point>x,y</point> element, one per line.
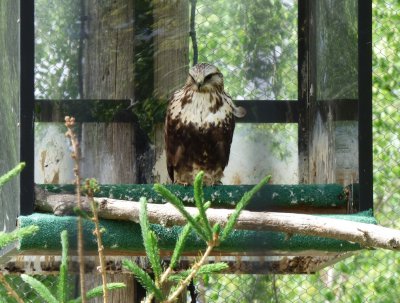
<point>199,200</point>
<point>193,272</point>
<point>40,289</point>
<point>174,200</point>
<point>143,278</point>
<point>98,291</point>
<point>6,238</point>
<point>11,174</point>
<point>150,240</point>
<point>180,243</point>
<point>240,206</point>
<point>206,269</point>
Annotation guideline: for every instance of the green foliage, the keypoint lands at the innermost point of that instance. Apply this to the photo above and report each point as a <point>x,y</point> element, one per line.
<point>240,206</point>
<point>174,200</point>
<point>62,290</point>
<point>11,174</point>
<point>386,114</point>
<point>150,240</point>
<point>254,43</point>
<point>6,238</point>
<point>206,269</point>
<point>199,202</point>
<point>180,244</point>
<point>81,213</point>
<point>40,288</point>
<point>144,278</point>
<point>90,186</point>
<point>57,44</point>
<point>370,276</point>
<point>149,113</point>
<point>199,223</point>
<point>98,291</point>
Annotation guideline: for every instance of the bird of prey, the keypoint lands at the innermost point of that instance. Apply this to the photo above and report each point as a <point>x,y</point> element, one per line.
<point>199,127</point>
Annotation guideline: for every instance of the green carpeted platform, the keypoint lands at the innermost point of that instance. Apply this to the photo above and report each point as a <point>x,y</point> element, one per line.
<point>126,237</point>
<point>271,196</point>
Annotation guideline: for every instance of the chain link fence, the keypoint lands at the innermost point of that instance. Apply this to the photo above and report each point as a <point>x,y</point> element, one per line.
<point>371,275</point>
<point>268,71</point>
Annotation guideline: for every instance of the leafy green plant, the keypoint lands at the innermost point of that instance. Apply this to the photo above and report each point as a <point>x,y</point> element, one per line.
<point>212,235</point>
<point>6,238</point>
<point>62,285</point>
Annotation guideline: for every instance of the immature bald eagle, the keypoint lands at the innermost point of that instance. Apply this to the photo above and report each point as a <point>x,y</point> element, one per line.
<point>199,127</point>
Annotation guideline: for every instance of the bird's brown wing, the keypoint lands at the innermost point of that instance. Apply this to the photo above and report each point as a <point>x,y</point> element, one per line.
<point>222,138</point>
<point>175,140</point>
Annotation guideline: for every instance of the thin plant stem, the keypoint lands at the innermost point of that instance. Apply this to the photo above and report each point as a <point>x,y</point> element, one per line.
<point>100,247</point>
<point>195,269</point>
<point>70,123</point>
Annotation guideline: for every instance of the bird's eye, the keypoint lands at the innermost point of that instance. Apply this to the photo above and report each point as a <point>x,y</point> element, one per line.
<point>208,77</point>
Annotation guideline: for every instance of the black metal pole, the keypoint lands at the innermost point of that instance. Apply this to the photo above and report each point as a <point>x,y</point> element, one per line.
<point>27,105</point>
<point>365,102</point>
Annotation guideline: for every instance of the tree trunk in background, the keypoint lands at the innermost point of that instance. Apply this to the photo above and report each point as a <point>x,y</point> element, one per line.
<point>171,63</point>
<point>108,149</point>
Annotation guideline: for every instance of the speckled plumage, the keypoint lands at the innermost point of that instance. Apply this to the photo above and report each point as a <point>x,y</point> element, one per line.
<point>199,127</point>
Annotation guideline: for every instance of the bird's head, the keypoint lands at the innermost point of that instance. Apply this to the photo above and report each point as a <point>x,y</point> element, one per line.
<point>205,78</point>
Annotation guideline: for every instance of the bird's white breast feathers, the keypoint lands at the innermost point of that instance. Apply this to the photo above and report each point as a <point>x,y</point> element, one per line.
<point>198,111</point>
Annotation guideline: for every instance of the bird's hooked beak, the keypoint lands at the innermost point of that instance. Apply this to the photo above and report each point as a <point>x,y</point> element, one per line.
<point>199,84</point>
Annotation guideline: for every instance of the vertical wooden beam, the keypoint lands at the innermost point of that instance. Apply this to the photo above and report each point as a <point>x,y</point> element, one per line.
<point>171,63</point>
<point>303,88</point>
<point>108,149</point>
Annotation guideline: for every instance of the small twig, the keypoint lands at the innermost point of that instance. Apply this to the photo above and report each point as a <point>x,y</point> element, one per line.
<point>97,232</point>
<point>70,123</point>
<point>165,275</point>
<point>195,269</point>
<point>9,289</point>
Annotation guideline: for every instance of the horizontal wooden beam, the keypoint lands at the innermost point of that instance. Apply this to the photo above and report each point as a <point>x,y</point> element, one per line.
<point>262,111</point>
<point>35,264</point>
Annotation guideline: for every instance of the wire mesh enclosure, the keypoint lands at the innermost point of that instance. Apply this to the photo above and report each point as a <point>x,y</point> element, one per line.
<point>114,66</point>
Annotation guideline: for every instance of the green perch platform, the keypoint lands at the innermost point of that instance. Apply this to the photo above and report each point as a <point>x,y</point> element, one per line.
<point>125,238</point>
<point>315,198</point>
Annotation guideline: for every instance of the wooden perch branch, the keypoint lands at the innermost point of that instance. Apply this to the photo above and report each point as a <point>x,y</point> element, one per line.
<point>367,235</point>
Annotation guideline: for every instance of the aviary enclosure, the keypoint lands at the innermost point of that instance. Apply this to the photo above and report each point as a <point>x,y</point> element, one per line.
<point>302,69</point>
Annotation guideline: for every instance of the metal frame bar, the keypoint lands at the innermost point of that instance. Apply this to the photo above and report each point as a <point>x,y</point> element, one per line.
<point>365,103</point>
<point>27,62</point>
